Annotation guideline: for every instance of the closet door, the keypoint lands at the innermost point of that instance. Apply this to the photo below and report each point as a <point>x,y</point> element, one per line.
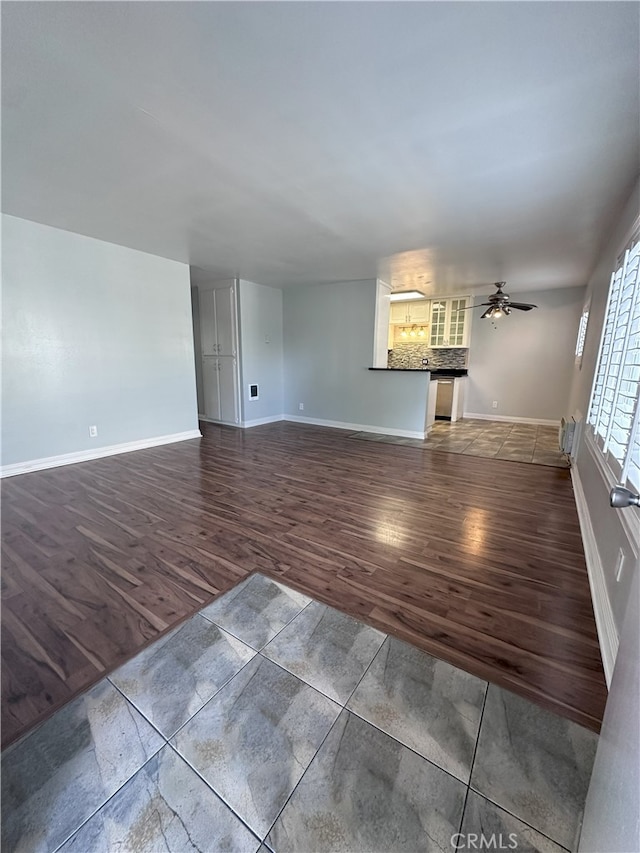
<point>228,389</point>
<point>211,390</point>
<point>207,322</point>
<point>225,310</point>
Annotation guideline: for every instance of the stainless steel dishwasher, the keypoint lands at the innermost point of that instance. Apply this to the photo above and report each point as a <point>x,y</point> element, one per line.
<point>444,399</point>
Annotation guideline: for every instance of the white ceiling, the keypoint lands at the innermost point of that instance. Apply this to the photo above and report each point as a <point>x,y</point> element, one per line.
<point>439,144</point>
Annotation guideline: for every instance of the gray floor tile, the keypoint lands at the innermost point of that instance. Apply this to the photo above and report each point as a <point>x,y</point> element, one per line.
<point>534,764</point>
<point>327,649</point>
<point>165,807</point>
<point>484,819</point>
<point>487,451</point>
<point>173,678</point>
<point>423,702</point>
<point>253,741</point>
<point>256,609</point>
<point>514,455</point>
<point>56,777</point>
<point>365,791</point>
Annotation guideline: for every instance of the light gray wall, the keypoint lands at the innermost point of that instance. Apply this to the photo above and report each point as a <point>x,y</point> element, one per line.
<point>525,361</point>
<point>197,346</point>
<point>612,818</point>
<point>261,350</point>
<point>328,346</point>
<point>94,333</point>
<point>607,523</point>
<point>611,821</point>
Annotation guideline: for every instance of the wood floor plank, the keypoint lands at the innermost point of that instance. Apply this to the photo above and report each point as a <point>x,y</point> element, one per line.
<point>477,561</point>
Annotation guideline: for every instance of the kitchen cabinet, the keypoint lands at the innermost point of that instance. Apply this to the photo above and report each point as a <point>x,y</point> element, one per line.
<point>218,321</point>
<point>220,388</point>
<point>408,313</point>
<point>449,323</point>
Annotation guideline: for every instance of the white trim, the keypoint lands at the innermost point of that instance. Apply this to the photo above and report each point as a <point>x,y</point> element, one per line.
<point>605,623</point>
<point>512,419</point>
<point>629,518</point>
<point>87,455</point>
<point>383,430</point>
<point>260,421</point>
<point>207,420</point>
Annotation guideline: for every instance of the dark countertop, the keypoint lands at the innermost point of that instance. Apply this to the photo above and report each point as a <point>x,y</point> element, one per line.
<point>435,371</point>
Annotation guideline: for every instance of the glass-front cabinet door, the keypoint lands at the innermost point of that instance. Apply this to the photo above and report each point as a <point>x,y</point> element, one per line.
<point>449,324</point>
<point>438,322</point>
<point>457,319</point>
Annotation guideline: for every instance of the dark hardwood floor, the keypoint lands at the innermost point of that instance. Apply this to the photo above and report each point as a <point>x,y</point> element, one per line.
<point>477,561</point>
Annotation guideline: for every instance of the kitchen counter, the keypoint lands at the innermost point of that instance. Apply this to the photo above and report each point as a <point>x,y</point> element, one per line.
<point>435,371</point>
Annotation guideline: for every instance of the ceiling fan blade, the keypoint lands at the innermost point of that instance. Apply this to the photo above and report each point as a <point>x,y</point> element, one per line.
<point>522,306</point>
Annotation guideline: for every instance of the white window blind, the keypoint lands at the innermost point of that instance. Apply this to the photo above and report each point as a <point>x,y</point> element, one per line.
<point>613,412</point>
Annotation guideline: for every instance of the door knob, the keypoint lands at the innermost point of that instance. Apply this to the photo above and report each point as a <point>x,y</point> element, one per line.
<point>620,498</point>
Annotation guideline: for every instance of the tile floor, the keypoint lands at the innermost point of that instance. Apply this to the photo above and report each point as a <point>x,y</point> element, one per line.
<point>270,722</point>
<point>491,439</point>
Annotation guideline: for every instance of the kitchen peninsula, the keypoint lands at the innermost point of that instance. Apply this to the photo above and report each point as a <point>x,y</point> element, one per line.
<point>446,392</point>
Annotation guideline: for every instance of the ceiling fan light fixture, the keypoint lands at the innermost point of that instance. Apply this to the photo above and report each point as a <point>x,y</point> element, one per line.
<point>500,304</point>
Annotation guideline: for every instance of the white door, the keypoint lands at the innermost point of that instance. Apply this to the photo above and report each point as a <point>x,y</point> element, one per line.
<point>227,389</point>
<point>210,388</point>
<point>207,312</point>
<point>225,320</point>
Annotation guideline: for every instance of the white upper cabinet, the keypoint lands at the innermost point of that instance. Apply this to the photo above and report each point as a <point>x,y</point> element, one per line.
<point>403,313</point>
<point>449,322</point>
<point>218,321</point>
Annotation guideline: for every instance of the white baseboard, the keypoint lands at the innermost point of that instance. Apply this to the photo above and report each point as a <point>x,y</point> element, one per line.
<point>383,430</point>
<point>605,623</point>
<point>512,420</point>
<point>272,419</point>
<point>87,455</point>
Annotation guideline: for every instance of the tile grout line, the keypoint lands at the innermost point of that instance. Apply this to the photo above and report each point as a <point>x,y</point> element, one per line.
<point>126,782</point>
<point>517,817</point>
<point>331,727</point>
<point>473,759</point>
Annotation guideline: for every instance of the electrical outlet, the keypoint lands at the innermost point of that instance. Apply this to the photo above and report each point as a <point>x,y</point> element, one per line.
<point>93,431</point>
<point>494,405</point>
<point>301,407</point>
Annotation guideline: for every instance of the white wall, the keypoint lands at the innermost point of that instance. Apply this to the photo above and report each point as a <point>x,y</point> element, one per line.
<point>328,348</point>
<point>612,817</point>
<point>608,525</point>
<point>261,351</point>
<point>611,820</point>
<point>94,333</point>
<point>525,361</point>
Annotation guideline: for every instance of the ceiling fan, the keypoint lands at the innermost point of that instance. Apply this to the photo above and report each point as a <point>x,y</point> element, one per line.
<point>499,303</point>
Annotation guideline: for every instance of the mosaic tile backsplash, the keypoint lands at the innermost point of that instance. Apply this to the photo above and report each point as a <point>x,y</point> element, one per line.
<point>411,355</point>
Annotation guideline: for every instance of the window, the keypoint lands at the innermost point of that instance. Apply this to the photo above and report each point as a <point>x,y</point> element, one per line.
<point>614,410</point>
<point>582,334</point>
